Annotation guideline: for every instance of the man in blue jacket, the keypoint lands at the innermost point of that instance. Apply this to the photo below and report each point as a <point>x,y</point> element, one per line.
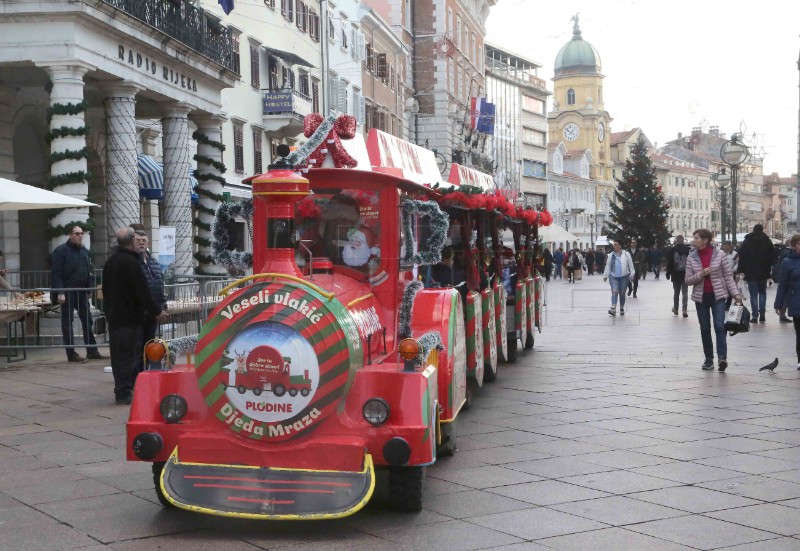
<point>155,283</point>
<point>71,268</point>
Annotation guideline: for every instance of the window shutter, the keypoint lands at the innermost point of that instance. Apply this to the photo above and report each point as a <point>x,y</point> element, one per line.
<point>342,102</point>
<point>381,71</point>
<point>362,108</point>
<point>361,45</point>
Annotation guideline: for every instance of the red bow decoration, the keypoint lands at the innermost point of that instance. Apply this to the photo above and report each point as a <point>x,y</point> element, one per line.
<point>344,128</point>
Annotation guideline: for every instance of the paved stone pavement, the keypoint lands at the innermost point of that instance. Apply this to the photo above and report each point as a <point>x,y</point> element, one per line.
<point>607,436</point>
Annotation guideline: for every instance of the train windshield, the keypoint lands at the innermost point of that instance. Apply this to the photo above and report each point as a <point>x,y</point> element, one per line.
<point>342,226</point>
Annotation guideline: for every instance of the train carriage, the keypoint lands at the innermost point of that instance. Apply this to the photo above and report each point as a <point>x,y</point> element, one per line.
<point>331,361</point>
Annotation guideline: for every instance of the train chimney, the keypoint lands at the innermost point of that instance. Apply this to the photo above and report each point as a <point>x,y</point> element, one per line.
<point>275,194</point>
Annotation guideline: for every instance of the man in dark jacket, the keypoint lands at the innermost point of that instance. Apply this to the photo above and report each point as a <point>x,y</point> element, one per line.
<point>640,265</point>
<point>656,255</point>
<point>71,268</point>
<point>127,304</point>
<point>155,283</point>
<point>756,258</point>
<point>676,271</point>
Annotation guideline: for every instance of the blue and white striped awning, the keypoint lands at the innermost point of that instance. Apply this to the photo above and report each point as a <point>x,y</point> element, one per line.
<point>151,179</point>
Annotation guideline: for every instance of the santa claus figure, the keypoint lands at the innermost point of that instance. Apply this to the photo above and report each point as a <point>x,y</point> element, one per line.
<point>357,251</point>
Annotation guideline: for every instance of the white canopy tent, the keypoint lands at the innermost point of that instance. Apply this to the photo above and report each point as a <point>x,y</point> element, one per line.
<point>555,233</point>
<point>16,196</point>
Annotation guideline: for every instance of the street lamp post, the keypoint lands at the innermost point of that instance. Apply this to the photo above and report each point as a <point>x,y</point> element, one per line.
<point>591,219</point>
<point>722,181</point>
<point>566,215</point>
<point>734,153</point>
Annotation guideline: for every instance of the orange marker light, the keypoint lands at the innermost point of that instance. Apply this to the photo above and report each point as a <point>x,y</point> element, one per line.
<point>408,349</point>
<point>155,350</point>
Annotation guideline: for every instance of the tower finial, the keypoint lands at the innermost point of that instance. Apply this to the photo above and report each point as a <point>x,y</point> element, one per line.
<point>576,29</point>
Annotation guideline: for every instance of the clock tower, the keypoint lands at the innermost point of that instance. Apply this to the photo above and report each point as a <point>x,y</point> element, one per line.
<point>578,118</point>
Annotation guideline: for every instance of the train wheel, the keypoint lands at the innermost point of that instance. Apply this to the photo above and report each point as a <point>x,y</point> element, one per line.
<point>279,390</point>
<point>241,389</point>
<point>529,341</point>
<point>305,392</point>
<point>448,446</point>
<point>157,468</point>
<point>257,391</point>
<point>471,386</point>
<point>293,392</point>
<point>512,347</point>
<point>405,488</point>
<point>224,386</point>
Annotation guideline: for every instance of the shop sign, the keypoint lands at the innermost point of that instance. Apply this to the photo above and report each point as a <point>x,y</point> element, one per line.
<point>144,63</point>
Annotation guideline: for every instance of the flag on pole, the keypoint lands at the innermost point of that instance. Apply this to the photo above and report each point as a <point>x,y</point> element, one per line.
<point>227,6</point>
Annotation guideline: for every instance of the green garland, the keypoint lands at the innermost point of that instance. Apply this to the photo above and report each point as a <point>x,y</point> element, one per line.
<point>66,109</point>
<point>69,178</point>
<point>66,131</point>
<point>199,137</point>
<point>70,154</point>
<point>430,252</point>
<point>57,231</point>
<point>209,161</point>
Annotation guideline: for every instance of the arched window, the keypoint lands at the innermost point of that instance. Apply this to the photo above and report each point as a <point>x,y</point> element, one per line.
<point>570,97</point>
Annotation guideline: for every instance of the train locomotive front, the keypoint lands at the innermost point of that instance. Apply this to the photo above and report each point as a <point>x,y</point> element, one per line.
<point>307,379</point>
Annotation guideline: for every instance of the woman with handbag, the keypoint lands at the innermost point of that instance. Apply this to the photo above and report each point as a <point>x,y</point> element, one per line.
<point>618,270</point>
<point>707,269</point>
<point>789,289</point>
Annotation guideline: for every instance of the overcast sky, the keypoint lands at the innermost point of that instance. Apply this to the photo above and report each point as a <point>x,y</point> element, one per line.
<point>672,66</point>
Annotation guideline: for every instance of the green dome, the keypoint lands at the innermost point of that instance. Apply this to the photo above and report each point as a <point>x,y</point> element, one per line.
<point>577,57</point>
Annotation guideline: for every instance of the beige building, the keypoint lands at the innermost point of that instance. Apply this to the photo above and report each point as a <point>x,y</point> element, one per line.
<point>689,190</point>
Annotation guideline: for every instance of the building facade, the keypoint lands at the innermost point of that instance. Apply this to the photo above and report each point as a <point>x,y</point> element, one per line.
<point>81,82</point>
<point>519,143</point>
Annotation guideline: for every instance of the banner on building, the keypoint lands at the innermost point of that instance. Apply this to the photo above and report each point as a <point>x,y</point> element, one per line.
<point>482,115</point>
<point>166,247</point>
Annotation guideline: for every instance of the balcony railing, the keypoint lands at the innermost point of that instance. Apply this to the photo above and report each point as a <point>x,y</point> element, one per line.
<point>185,23</point>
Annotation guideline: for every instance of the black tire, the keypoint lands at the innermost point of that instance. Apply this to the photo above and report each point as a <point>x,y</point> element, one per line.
<point>279,390</point>
<point>471,385</point>
<point>528,341</point>
<point>489,374</point>
<point>157,468</point>
<point>292,392</point>
<point>241,389</point>
<point>304,392</point>
<point>512,347</point>
<point>448,445</point>
<point>406,486</point>
<point>257,391</point>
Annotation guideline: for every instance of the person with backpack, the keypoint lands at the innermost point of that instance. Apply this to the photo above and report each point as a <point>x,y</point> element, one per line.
<point>618,271</point>
<point>676,271</point>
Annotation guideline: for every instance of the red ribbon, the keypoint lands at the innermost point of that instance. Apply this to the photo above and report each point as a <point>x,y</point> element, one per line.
<point>344,128</point>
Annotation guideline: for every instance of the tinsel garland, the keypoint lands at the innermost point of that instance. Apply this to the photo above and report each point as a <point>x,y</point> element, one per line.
<point>427,343</point>
<point>57,231</point>
<point>407,308</point>
<point>237,260</point>
<point>70,154</point>
<point>299,155</point>
<point>66,131</point>
<point>209,161</point>
<point>66,109</point>
<point>179,347</point>
<point>431,252</point>
<point>77,177</point>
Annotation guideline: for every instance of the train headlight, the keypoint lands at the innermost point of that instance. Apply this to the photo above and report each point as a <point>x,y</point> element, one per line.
<point>173,408</point>
<point>409,349</point>
<point>375,411</point>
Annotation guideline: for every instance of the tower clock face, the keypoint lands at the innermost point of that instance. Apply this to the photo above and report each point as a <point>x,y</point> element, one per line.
<point>601,132</point>
<point>571,132</point>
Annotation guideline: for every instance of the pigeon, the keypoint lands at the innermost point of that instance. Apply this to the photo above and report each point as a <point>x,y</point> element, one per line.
<point>770,366</point>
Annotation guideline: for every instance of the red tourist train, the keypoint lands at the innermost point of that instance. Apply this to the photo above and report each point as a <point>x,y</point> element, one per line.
<point>353,347</point>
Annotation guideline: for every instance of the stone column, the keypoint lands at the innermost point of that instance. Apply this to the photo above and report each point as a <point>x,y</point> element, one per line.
<point>122,177</point>
<point>209,126</point>
<point>67,92</point>
<point>177,190</point>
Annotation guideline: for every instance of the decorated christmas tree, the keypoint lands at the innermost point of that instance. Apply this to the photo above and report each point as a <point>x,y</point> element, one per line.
<point>639,209</point>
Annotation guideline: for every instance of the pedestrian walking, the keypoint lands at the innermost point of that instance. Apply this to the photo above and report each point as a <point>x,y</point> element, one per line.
<point>708,272</point>
<point>72,275</point>
<point>574,263</point>
<point>600,260</point>
<point>618,270</point>
<point>676,271</point>
<point>656,255</point>
<point>789,290</point>
<point>548,263</point>
<point>589,261</point>
<point>639,263</point>
<point>756,257</point>
<point>155,284</point>
<point>558,262</point>
<point>127,304</point>
<point>782,252</point>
